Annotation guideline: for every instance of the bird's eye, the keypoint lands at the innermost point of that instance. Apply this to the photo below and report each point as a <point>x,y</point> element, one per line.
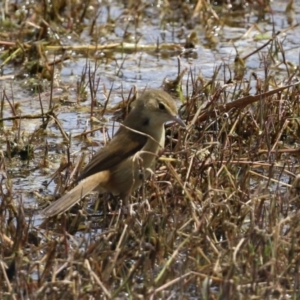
<point>161,106</point>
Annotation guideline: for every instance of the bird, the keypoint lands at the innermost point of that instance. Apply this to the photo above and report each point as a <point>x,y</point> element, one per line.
<point>124,163</point>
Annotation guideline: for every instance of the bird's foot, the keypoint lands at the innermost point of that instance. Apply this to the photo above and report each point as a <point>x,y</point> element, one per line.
<point>127,209</point>
<point>131,211</point>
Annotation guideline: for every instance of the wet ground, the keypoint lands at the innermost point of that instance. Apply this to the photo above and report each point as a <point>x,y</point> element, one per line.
<point>213,44</point>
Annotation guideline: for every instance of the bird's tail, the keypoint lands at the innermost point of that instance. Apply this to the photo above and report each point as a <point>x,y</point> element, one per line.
<point>76,194</point>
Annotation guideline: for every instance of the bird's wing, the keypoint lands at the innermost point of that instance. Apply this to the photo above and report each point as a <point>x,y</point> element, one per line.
<point>124,144</point>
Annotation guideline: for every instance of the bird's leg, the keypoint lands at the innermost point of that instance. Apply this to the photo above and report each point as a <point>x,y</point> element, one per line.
<point>126,207</point>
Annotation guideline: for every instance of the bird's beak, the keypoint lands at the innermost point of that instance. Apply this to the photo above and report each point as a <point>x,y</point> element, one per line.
<point>179,121</point>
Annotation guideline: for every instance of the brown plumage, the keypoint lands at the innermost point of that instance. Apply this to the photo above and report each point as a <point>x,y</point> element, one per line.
<point>116,168</point>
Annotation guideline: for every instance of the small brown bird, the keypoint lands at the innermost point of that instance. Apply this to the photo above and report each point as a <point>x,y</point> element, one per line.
<point>118,167</point>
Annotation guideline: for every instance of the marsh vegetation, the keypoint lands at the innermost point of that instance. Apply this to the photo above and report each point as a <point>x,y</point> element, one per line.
<point>219,219</point>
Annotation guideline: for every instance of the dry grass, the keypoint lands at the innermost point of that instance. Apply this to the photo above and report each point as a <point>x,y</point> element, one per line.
<point>219,220</point>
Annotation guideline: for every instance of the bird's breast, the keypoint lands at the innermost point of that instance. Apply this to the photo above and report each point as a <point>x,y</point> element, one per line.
<point>130,173</point>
